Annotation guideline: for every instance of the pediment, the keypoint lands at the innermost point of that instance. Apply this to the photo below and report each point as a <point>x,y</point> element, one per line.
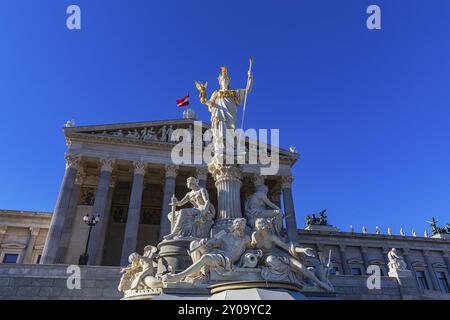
<point>13,245</point>
<point>148,132</point>
<point>354,261</point>
<point>143,133</point>
<point>439,265</point>
<point>418,264</point>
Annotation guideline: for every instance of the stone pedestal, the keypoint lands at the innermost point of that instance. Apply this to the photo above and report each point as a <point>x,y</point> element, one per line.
<point>441,236</point>
<point>228,183</point>
<point>174,254</point>
<point>317,227</point>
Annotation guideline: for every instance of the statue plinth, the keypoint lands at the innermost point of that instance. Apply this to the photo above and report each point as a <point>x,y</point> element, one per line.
<point>318,227</point>
<point>228,181</point>
<point>173,253</point>
<point>396,273</point>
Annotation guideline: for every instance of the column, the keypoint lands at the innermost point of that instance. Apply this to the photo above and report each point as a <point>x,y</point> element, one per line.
<point>431,272</point>
<point>99,208</point>
<point>228,183</point>
<point>407,259</point>
<point>105,225</point>
<point>30,245</point>
<point>70,218</point>
<point>202,175</point>
<point>275,195</point>
<point>445,256</point>
<point>61,210</point>
<point>134,212</point>
<point>169,191</point>
<point>365,258</point>
<point>3,230</point>
<point>346,269</point>
<point>289,211</point>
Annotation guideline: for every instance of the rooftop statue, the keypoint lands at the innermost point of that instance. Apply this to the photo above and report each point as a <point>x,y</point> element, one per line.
<point>195,221</point>
<point>435,229</point>
<point>320,220</point>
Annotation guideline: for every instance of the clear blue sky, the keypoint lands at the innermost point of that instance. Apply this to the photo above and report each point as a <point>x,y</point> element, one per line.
<point>369,111</point>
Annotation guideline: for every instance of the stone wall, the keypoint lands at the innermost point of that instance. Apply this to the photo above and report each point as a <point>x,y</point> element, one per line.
<point>25,282</point>
<point>355,288</point>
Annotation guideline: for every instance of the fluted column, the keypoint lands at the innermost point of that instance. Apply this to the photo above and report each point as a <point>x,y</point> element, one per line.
<point>70,218</point>
<point>202,175</point>
<point>169,191</point>
<point>30,245</point>
<point>364,251</point>
<point>134,212</point>
<point>431,272</point>
<point>346,269</point>
<point>103,232</point>
<point>99,207</point>
<point>228,183</point>
<point>61,210</point>
<point>407,259</point>
<point>289,211</point>
<point>3,230</point>
<point>445,256</point>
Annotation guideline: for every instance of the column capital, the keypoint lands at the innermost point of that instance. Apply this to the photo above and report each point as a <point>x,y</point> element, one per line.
<point>139,167</point>
<point>72,161</point>
<point>286,182</point>
<point>81,175</point>
<point>445,254</point>
<point>426,253</point>
<point>225,173</point>
<point>34,231</point>
<point>171,170</point>
<point>364,249</point>
<point>405,250</point>
<point>342,247</point>
<point>107,164</point>
<point>202,173</point>
<point>3,229</point>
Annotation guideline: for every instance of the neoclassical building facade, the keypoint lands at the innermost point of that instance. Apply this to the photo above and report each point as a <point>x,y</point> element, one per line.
<point>124,174</point>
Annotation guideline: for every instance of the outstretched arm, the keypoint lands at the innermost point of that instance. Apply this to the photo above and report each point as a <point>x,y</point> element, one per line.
<point>184,200</point>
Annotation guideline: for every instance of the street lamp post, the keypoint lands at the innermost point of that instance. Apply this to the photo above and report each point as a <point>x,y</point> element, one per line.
<point>91,222</point>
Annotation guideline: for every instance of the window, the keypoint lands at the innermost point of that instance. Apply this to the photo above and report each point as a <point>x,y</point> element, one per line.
<point>38,260</point>
<point>356,271</point>
<point>10,258</point>
<point>443,283</point>
<point>422,280</point>
<point>334,271</point>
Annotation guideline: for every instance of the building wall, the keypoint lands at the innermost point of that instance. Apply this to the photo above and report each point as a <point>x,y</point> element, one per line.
<point>43,282</point>
<point>23,233</point>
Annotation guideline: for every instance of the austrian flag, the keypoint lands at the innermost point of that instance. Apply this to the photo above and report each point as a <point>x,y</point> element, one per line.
<point>183,101</point>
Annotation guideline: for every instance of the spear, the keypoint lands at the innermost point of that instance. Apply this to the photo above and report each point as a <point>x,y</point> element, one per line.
<point>246,92</point>
<point>245,101</point>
